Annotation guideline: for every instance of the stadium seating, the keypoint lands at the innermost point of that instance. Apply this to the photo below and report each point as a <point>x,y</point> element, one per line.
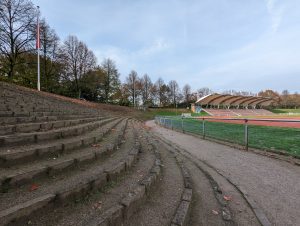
<point>56,151</point>
<point>238,112</point>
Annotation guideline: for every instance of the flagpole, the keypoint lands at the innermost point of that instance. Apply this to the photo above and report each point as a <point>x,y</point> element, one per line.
<point>38,50</point>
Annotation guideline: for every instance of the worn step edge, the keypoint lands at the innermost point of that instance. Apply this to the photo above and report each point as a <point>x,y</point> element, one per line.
<point>25,209</point>
<point>16,213</point>
<point>122,211</point>
<point>183,210</point>
<point>10,159</point>
<point>36,137</point>
<point>26,177</point>
<point>43,126</point>
<point>5,121</point>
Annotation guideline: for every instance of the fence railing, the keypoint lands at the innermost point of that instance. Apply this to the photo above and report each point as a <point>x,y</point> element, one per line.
<point>266,134</point>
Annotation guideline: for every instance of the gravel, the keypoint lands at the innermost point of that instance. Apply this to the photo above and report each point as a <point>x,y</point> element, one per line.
<point>274,185</point>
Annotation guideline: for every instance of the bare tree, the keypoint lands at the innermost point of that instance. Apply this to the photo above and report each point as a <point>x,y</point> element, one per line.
<point>204,91</point>
<point>186,91</point>
<point>161,91</point>
<point>132,86</point>
<point>174,92</point>
<point>146,86</point>
<point>111,81</point>
<point>17,19</point>
<point>50,50</point>
<point>86,58</point>
<point>78,60</point>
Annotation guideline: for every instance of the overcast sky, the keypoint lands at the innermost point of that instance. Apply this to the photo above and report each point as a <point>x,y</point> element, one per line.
<point>222,44</point>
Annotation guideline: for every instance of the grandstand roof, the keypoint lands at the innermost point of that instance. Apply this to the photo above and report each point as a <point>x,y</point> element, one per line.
<point>234,100</point>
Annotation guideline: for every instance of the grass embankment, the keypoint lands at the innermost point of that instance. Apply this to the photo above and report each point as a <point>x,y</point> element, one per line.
<point>260,137</point>
<point>286,111</point>
<point>152,112</point>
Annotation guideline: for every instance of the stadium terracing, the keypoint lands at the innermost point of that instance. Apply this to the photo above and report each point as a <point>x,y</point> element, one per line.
<point>233,105</point>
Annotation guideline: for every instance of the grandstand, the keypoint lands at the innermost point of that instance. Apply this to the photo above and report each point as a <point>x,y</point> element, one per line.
<point>234,105</point>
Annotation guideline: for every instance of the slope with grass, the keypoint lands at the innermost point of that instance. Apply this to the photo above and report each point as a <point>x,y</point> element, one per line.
<point>286,111</point>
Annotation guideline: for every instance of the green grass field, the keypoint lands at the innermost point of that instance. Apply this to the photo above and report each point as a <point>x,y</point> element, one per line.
<point>286,111</point>
<point>260,137</point>
<point>152,112</point>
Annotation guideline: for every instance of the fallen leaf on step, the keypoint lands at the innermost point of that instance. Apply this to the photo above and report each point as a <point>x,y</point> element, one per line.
<point>215,212</point>
<point>33,187</point>
<point>227,198</point>
<point>97,205</point>
<point>95,145</point>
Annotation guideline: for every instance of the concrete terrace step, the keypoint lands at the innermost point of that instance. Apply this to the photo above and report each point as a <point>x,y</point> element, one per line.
<point>161,206</point>
<point>31,119</point>
<point>36,137</point>
<point>36,104</point>
<point>123,201</point>
<point>15,207</point>
<point>22,101</point>
<point>15,120</point>
<point>115,203</point>
<point>26,173</point>
<point>28,113</point>
<point>41,107</point>
<point>43,126</point>
<point>16,155</point>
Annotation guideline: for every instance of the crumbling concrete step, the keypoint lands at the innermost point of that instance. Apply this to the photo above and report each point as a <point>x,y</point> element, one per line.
<point>18,155</point>
<point>36,137</point>
<point>84,211</point>
<point>118,211</point>
<point>43,126</point>
<point>15,120</point>
<point>28,112</point>
<point>161,206</point>
<point>64,190</point>
<point>25,209</point>
<point>26,173</point>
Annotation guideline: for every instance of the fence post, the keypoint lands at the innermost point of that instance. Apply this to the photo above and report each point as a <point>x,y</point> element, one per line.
<point>182,125</point>
<point>171,124</point>
<point>246,134</point>
<point>203,128</point>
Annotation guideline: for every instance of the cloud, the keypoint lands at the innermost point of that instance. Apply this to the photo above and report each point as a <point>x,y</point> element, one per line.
<point>157,46</point>
<point>216,43</point>
<point>128,60</point>
<point>276,13</point>
<point>270,61</point>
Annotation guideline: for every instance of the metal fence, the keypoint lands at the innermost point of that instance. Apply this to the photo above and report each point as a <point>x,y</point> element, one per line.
<point>241,131</point>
